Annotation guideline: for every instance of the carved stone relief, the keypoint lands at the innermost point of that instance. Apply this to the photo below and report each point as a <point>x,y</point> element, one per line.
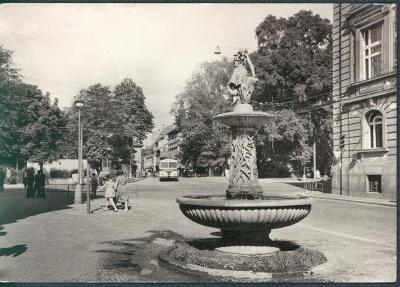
<point>243,161</point>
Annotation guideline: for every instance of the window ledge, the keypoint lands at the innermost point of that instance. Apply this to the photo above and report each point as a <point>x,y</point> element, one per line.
<point>364,82</point>
<point>373,150</point>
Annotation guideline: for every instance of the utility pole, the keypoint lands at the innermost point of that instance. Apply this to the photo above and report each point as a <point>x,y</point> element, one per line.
<point>78,186</point>
<point>315,156</point>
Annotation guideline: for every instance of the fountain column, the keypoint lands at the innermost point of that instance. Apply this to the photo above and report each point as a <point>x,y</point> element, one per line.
<point>243,174</point>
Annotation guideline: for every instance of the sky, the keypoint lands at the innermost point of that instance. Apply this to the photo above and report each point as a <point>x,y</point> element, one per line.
<point>63,48</point>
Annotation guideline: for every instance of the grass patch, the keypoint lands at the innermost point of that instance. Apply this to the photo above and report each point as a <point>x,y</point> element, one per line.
<point>286,260</point>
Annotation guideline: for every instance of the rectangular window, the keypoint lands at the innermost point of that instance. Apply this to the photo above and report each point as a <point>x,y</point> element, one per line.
<point>374,183</point>
<point>379,136</point>
<point>372,60</point>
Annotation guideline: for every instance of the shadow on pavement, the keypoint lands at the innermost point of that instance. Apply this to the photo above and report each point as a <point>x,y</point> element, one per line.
<point>13,251</point>
<point>136,260</point>
<point>15,206</point>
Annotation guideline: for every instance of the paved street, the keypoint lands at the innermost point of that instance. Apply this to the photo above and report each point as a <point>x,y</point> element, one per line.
<point>51,240</point>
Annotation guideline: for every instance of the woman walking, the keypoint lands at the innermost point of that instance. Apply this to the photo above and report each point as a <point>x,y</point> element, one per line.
<point>122,192</point>
<point>109,192</point>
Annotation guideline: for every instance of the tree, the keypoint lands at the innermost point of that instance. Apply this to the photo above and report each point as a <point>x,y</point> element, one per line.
<point>44,131</point>
<point>294,67</point>
<point>30,127</point>
<point>283,145</point>
<point>112,122</point>
<point>294,59</point>
<point>205,144</point>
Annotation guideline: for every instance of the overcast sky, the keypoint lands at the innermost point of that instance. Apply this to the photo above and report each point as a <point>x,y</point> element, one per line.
<point>63,48</point>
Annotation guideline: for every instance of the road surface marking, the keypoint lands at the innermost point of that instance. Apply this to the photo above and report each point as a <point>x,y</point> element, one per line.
<point>348,236</point>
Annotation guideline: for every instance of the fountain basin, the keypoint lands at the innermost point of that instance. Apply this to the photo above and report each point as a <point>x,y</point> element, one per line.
<point>245,216</point>
<point>243,116</point>
<point>249,119</point>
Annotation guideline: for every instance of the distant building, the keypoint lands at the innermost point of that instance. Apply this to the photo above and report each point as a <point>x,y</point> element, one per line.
<point>174,143</point>
<point>166,145</point>
<point>147,157</point>
<point>62,164</point>
<point>364,97</point>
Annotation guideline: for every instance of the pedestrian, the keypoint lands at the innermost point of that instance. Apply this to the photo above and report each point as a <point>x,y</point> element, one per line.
<point>39,185</point>
<point>94,183</point>
<point>109,192</point>
<point>2,177</point>
<point>8,176</point>
<point>122,192</point>
<point>30,180</point>
<point>24,179</point>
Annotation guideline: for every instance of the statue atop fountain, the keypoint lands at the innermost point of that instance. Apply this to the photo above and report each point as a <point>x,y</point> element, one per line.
<point>241,84</point>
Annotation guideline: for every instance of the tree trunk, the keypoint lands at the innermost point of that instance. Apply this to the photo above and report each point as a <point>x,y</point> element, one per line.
<point>17,168</point>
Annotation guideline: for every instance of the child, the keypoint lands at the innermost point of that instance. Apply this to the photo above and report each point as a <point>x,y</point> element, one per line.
<point>109,192</point>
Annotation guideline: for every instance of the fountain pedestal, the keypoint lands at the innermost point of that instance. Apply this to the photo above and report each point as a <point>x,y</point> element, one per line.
<point>243,174</point>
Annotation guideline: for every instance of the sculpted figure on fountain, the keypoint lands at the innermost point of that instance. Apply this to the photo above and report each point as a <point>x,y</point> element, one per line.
<point>241,83</point>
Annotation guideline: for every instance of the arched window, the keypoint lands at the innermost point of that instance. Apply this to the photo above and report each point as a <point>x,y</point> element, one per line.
<point>374,120</point>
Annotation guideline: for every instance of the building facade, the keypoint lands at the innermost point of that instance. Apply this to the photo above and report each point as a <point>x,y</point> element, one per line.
<point>364,100</point>
<point>174,144</point>
<point>166,145</point>
<point>147,158</point>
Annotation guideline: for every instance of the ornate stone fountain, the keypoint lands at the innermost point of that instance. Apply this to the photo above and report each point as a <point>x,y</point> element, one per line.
<point>244,213</point>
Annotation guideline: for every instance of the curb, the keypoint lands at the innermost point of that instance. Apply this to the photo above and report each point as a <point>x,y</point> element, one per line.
<point>389,204</point>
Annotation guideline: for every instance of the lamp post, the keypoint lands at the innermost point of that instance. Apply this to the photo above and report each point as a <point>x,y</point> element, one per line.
<point>135,144</point>
<point>78,187</point>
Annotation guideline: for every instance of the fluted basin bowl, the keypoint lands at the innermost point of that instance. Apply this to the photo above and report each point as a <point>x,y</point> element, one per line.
<point>245,216</point>
<point>243,116</point>
<point>243,119</point>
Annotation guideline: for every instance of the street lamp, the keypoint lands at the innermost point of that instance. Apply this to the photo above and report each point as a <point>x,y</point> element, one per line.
<point>78,187</point>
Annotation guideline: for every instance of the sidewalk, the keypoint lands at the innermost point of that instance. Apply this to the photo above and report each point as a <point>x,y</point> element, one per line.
<point>321,195</point>
<point>376,201</point>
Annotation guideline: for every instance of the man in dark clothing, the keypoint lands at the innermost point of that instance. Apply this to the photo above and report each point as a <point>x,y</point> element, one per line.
<point>94,184</point>
<point>30,180</point>
<point>40,181</point>
<point>2,177</point>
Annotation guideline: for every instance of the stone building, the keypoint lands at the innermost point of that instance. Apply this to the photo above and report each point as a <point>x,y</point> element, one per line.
<point>174,143</point>
<point>364,100</point>
<point>166,145</point>
<point>147,158</point>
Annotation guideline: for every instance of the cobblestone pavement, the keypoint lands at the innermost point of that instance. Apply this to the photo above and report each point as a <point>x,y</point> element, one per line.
<point>52,240</point>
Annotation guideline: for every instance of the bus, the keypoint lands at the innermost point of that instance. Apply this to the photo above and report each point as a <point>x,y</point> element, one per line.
<point>168,169</point>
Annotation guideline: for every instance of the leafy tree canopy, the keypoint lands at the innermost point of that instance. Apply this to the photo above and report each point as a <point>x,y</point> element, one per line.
<point>30,126</point>
<point>294,67</point>
<point>294,58</point>
<point>204,143</point>
<point>113,121</point>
